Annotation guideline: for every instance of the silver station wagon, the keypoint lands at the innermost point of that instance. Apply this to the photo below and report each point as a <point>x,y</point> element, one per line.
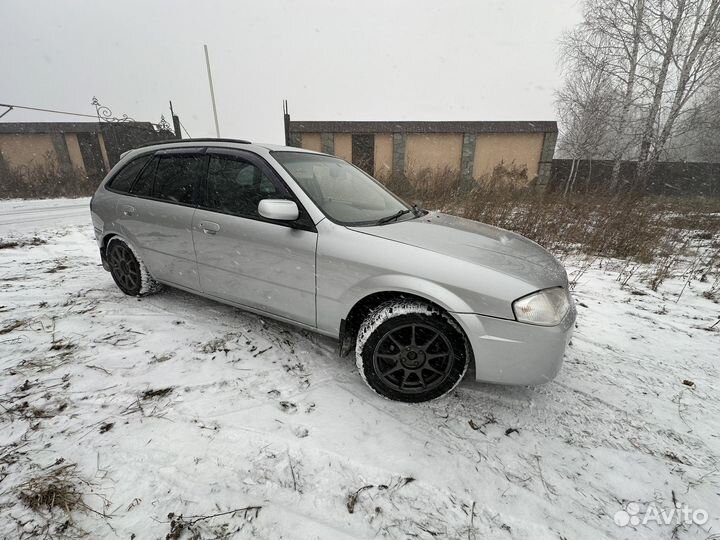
<point>312,240</point>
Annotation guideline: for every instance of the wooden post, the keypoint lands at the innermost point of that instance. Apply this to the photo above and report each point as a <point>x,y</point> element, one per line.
<point>176,123</point>
<point>286,122</point>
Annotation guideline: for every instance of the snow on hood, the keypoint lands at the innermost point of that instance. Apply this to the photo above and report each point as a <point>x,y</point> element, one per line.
<point>477,243</point>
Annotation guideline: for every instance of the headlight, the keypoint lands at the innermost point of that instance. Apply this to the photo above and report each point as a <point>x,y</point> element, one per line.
<point>546,307</point>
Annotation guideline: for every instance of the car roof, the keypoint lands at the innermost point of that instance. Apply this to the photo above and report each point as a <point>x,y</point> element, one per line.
<point>220,142</point>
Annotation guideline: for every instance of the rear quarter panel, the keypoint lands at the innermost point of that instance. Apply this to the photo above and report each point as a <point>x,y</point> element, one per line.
<point>103,205</point>
<point>102,211</point>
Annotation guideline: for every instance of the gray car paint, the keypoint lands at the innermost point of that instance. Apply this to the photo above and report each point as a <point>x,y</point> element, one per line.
<point>313,279</point>
<point>162,233</point>
<point>263,265</point>
<point>477,243</point>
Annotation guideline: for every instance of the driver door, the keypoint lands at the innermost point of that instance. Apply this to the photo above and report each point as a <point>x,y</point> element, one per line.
<point>245,258</point>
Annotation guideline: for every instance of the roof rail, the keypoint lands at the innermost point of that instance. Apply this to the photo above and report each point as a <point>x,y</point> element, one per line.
<point>205,139</point>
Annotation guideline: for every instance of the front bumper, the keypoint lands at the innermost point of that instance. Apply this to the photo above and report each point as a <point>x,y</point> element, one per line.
<point>510,352</point>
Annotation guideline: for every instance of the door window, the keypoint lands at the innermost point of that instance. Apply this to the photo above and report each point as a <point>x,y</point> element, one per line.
<point>144,184</point>
<point>176,177</point>
<point>124,179</point>
<point>236,186</point>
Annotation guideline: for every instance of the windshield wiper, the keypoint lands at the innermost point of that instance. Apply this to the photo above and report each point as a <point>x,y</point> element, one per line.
<point>395,216</point>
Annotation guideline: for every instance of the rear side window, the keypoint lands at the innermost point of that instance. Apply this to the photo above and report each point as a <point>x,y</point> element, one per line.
<point>123,180</point>
<point>176,177</point>
<point>236,186</point>
<point>144,184</point>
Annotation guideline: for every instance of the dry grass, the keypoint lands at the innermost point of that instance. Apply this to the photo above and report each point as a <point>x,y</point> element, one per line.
<point>57,487</point>
<point>396,483</point>
<point>15,324</point>
<point>34,401</point>
<point>54,493</point>
<point>44,180</point>
<point>198,527</point>
<point>628,225</point>
<point>10,244</point>
<point>156,393</point>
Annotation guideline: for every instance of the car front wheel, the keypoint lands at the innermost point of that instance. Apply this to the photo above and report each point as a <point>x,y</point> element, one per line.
<point>410,351</point>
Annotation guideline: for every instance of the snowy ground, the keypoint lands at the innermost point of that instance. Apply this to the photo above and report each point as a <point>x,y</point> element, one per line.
<point>174,405</point>
<point>18,216</point>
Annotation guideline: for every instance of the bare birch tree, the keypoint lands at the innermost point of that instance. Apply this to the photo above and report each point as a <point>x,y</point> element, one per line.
<point>657,55</point>
<point>585,102</point>
<point>609,41</point>
<point>699,137</point>
<point>690,48</point>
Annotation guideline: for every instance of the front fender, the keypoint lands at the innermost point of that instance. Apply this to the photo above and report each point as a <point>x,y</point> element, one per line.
<point>417,286</point>
<point>351,265</point>
<point>331,311</point>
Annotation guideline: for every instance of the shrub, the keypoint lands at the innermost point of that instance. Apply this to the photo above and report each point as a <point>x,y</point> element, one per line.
<point>44,180</point>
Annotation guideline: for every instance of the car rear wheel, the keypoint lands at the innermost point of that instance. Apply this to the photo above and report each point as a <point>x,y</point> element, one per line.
<point>128,271</point>
<point>411,351</point>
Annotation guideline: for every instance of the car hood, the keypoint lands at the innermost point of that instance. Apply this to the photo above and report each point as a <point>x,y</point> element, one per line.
<point>477,243</point>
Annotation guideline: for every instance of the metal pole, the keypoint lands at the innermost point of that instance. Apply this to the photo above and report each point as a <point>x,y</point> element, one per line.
<point>212,91</point>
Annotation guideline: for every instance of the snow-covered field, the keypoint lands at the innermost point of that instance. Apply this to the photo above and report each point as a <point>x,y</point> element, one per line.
<point>174,405</point>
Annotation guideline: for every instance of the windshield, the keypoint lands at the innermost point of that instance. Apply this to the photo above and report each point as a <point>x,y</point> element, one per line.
<point>342,191</point>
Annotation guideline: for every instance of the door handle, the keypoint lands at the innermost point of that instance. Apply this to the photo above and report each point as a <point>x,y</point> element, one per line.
<point>127,210</point>
<point>209,227</point>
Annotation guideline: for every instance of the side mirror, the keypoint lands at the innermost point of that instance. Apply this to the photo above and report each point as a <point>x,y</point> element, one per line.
<point>279,209</point>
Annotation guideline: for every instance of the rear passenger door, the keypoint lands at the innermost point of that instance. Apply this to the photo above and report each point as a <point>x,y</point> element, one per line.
<point>157,215</point>
<point>245,258</point>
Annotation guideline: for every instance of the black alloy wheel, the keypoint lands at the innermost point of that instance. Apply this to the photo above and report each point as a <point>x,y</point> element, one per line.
<point>124,268</point>
<point>410,351</point>
<point>413,358</point>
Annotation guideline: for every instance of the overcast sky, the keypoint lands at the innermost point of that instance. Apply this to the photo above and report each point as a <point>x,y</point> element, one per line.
<point>332,60</point>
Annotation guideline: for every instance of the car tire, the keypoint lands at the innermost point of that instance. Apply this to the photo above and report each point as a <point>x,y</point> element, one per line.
<point>411,351</point>
<point>128,271</point>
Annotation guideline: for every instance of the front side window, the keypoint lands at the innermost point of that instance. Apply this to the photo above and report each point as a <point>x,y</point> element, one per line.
<point>236,186</point>
<point>123,180</point>
<point>344,193</point>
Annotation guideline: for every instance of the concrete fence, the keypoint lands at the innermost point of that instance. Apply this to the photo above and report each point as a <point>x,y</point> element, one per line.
<point>402,149</point>
<point>58,159</point>
<point>669,177</point>
<point>90,147</point>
